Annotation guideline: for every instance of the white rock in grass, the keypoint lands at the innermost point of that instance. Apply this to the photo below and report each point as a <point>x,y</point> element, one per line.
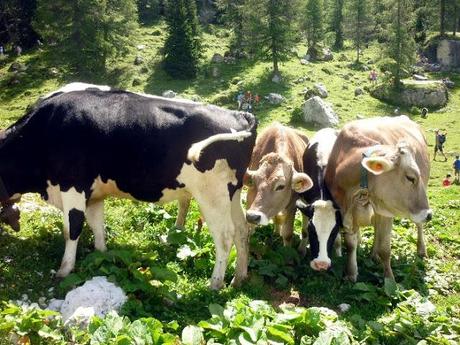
<point>344,307</point>
<point>425,308</point>
<point>55,304</point>
<point>96,297</point>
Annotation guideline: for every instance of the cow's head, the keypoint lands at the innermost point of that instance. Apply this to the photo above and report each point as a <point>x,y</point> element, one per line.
<point>272,187</point>
<point>397,184</point>
<point>323,227</point>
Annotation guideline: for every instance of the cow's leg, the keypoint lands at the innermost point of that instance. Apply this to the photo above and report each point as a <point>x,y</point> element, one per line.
<point>218,216</point>
<point>338,245</point>
<point>351,241</point>
<point>421,248</point>
<point>241,240</point>
<point>73,206</point>
<point>382,242</point>
<point>302,249</point>
<point>184,205</point>
<point>95,219</point>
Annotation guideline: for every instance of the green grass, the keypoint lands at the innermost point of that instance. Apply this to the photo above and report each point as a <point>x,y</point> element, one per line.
<point>277,274</point>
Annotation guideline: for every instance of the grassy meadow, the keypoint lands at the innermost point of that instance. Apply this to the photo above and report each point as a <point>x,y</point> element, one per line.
<point>165,271</point>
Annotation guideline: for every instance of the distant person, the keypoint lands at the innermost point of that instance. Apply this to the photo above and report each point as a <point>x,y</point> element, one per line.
<point>447,182</point>
<point>440,139</point>
<point>2,51</point>
<point>18,50</point>
<point>247,102</point>
<point>424,113</point>
<point>456,167</point>
<point>239,99</point>
<point>373,76</point>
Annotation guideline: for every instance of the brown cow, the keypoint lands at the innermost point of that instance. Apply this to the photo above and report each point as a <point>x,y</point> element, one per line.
<point>274,178</point>
<point>389,155</point>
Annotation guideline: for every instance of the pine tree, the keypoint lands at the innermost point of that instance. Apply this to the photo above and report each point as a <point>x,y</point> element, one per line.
<point>442,17</point>
<point>401,45</point>
<point>149,10</point>
<point>88,32</point>
<point>358,15</point>
<point>314,25</point>
<point>337,23</point>
<point>233,17</point>
<point>16,22</point>
<point>271,31</point>
<point>182,48</point>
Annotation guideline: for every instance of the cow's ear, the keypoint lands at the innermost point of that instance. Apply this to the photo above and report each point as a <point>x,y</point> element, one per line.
<point>377,165</point>
<point>301,182</point>
<point>248,179</point>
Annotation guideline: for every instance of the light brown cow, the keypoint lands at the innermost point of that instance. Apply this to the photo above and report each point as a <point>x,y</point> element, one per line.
<point>391,155</point>
<point>274,178</point>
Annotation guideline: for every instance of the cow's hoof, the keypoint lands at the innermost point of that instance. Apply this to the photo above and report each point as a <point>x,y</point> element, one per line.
<point>101,248</point>
<point>237,281</point>
<point>351,277</point>
<point>422,253</point>
<point>216,284</point>
<point>63,272</point>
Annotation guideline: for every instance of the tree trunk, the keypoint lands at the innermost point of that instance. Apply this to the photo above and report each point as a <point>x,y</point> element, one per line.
<point>442,27</point>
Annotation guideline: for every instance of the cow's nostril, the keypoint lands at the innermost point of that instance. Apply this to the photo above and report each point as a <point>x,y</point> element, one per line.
<point>253,218</point>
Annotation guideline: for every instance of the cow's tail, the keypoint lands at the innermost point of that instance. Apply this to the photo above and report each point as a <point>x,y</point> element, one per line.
<point>195,150</point>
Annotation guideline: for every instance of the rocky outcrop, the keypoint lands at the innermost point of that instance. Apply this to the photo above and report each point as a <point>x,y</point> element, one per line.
<point>448,54</point>
<point>430,94</point>
<point>319,112</point>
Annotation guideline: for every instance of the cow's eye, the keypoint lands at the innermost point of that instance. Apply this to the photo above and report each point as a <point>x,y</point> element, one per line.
<point>410,179</point>
<point>279,187</point>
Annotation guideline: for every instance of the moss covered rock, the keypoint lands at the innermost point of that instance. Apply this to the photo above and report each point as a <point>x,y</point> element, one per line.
<point>430,94</point>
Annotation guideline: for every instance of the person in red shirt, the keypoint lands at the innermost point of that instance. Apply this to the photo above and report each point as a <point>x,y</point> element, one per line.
<point>447,182</point>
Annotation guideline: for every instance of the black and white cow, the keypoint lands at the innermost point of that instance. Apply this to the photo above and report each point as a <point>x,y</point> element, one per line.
<point>317,203</point>
<point>75,148</point>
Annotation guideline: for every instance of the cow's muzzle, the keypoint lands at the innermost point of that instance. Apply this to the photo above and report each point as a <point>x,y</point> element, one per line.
<point>423,216</point>
<point>256,217</point>
<point>319,265</point>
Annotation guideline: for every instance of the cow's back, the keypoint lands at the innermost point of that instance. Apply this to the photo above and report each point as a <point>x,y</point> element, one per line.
<point>141,142</point>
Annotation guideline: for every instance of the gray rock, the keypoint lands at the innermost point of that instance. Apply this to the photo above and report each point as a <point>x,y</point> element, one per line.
<point>327,55</point>
<point>140,46</point>
<point>304,62</point>
<point>274,98</point>
<point>138,60</point>
<point>430,94</point>
<point>53,71</point>
<point>449,83</point>
<point>169,94</point>
<point>448,54</point>
<point>359,91</point>
<point>276,78</point>
<point>319,112</point>
<point>217,58</point>
<point>321,90</point>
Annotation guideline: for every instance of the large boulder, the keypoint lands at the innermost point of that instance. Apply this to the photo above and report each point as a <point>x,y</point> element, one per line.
<point>217,58</point>
<point>428,93</point>
<point>319,112</point>
<point>274,98</point>
<point>448,54</point>
<point>321,90</point>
